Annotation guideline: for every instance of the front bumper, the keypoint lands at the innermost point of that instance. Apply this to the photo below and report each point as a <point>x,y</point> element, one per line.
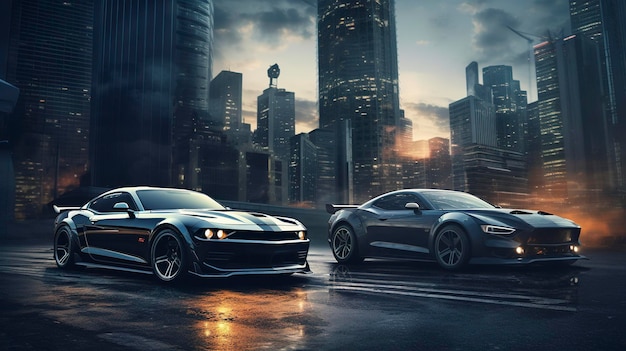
<point>556,244</point>
<point>520,261</point>
<point>225,258</point>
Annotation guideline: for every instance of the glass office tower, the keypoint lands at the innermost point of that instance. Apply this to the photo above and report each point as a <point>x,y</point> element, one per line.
<point>571,119</point>
<point>604,22</point>
<point>358,81</point>
<point>151,88</point>
<point>276,121</point>
<point>50,61</point>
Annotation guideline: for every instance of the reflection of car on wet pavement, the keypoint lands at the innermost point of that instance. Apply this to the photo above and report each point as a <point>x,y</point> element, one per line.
<point>451,227</point>
<point>172,232</point>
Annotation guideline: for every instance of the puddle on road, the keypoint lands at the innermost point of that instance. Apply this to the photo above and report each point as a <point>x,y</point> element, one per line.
<point>233,320</point>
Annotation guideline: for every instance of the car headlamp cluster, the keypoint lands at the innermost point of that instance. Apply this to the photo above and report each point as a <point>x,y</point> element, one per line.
<point>215,234</point>
<point>219,234</point>
<point>495,229</point>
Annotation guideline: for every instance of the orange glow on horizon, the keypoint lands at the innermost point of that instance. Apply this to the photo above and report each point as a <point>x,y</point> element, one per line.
<point>600,226</point>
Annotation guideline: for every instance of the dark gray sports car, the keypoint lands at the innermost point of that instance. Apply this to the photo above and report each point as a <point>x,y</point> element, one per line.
<point>451,227</point>
<point>172,232</point>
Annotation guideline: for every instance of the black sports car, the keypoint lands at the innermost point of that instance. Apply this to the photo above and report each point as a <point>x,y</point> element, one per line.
<point>454,228</point>
<point>172,232</point>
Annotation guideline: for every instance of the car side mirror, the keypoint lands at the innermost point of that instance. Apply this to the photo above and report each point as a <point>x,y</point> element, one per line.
<point>123,206</point>
<point>412,206</point>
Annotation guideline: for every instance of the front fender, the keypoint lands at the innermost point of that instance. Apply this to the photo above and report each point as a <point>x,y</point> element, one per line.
<point>180,227</point>
<point>346,217</point>
<point>64,219</point>
<point>468,223</point>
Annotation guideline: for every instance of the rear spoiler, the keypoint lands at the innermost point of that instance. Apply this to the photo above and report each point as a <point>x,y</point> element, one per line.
<point>58,209</point>
<point>330,208</point>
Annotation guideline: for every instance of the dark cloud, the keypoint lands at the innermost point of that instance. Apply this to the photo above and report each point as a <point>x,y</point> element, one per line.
<point>495,42</point>
<point>551,15</point>
<point>307,114</point>
<point>438,115</point>
<point>270,20</point>
<point>492,39</point>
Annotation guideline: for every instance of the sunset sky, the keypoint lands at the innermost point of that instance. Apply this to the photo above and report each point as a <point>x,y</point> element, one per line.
<point>436,40</point>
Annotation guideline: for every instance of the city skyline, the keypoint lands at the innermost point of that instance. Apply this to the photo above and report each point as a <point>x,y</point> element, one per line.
<point>435,44</point>
<point>183,138</point>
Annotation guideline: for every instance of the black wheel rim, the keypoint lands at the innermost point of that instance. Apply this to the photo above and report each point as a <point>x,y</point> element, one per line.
<point>450,248</point>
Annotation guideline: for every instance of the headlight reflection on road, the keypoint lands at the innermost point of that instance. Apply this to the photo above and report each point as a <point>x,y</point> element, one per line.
<point>245,320</point>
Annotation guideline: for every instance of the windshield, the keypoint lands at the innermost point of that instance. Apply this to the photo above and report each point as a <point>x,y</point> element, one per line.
<point>169,199</point>
<point>454,200</point>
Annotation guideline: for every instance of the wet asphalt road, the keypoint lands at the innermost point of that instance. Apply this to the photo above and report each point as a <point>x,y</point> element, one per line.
<point>378,305</point>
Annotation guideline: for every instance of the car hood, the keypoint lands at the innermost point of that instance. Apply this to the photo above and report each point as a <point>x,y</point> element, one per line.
<point>516,217</point>
<point>244,220</point>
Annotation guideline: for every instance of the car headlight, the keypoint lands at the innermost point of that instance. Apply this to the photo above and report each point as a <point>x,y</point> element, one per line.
<point>215,234</point>
<point>496,229</point>
<point>302,235</point>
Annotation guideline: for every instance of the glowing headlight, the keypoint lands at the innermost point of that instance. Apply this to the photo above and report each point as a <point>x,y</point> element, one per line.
<point>215,234</point>
<point>302,235</point>
<point>494,229</point>
<point>574,248</point>
<point>519,250</point>
<point>209,234</point>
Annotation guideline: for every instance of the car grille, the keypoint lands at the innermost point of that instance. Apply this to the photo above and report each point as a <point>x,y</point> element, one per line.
<point>550,236</point>
<point>548,250</point>
<point>264,235</point>
<point>234,260</point>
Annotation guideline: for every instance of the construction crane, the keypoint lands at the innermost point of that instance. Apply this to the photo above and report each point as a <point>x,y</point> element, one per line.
<point>531,56</point>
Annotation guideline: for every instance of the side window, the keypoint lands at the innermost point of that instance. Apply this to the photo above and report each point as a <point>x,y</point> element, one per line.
<point>106,203</point>
<point>396,202</point>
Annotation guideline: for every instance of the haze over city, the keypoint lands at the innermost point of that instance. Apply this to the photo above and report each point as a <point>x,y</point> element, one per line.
<point>372,96</point>
<point>436,40</point>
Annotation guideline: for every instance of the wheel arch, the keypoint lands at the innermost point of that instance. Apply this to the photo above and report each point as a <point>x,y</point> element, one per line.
<point>465,222</point>
<point>352,221</point>
<point>69,223</point>
<point>180,229</point>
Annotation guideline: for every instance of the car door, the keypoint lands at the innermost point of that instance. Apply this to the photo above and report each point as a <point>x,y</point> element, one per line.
<point>396,231</point>
<point>112,234</point>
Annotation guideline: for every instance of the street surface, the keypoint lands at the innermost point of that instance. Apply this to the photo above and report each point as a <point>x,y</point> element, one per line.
<point>378,305</point>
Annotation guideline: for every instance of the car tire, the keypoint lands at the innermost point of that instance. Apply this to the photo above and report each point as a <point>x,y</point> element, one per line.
<point>344,245</point>
<point>168,256</point>
<point>64,248</point>
<point>452,247</point>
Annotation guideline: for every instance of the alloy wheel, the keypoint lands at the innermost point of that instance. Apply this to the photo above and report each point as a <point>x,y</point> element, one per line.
<point>451,248</point>
<point>167,256</point>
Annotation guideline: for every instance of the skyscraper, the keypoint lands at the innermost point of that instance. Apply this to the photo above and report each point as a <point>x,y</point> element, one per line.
<point>151,88</point>
<point>510,106</point>
<point>225,97</point>
<point>303,170</point>
<point>276,121</point>
<point>358,81</point>
<point>50,61</point>
<point>604,22</point>
<point>472,121</point>
<point>571,118</point>
<point>479,164</point>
